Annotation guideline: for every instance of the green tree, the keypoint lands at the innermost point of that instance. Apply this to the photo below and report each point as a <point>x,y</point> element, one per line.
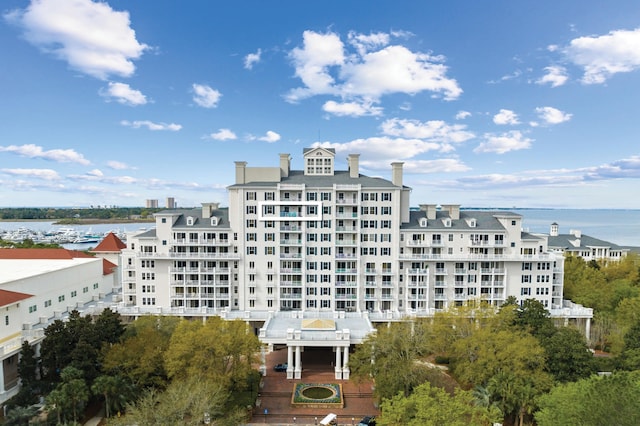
<point>568,356</point>
<point>139,357</point>
<point>27,371</point>
<point>389,356</point>
<point>432,406</point>
<point>220,350</point>
<point>510,363</point>
<point>74,390</point>
<point>184,402</point>
<point>20,416</point>
<point>115,391</point>
<point>609,400</point>
<point>534,318</point>
<point>109,327</point>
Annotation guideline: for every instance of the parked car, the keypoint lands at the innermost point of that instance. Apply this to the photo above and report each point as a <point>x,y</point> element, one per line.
<point>281,367</point>
<point>367,421</point>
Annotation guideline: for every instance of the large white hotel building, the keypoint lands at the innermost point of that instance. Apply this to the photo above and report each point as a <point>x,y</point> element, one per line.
<point>297,246</point>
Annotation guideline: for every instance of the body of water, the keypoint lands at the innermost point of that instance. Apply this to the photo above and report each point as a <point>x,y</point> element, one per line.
<point>621,227</point>
<point>98,229</point>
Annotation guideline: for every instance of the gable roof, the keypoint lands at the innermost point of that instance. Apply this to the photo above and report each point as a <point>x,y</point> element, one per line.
<point>10,297</point>
<point>110,243</point>
<point>41,253</point>
<point>108,267</point>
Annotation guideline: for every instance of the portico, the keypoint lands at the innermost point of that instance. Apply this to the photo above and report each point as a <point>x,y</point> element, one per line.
<point>300,329</point>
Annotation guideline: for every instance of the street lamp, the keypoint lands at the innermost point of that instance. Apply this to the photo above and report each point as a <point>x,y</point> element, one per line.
<point>352,420</point>
<point>294,420</point>
<point>316,421</point>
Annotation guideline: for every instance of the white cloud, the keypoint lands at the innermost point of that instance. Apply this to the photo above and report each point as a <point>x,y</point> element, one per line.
<point>434,130</point>
<point>124,94</point>
<point>603,56</point>
<point>500,144</point>
<point>151,125</point>
<point>326,68</point>
<point>223,135</point>
<point>552,115</point>
<point>270,137</point>
<point>377,150</point>
<point>35,151</point>
<point>46,174</point>
<point>251,59</point>
<point>365,43</point>
<point>442,165</point>
<point>461,115</point>
<point>555,76</point>
<point>353,109</point>
<point>312,62</point>
<point>205,96</point>
<point>506,116</point>
<point>90,36</point>
<point>118,165</point>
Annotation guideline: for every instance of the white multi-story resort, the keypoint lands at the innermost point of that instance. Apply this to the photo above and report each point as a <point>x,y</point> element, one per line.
<point>312,257</point>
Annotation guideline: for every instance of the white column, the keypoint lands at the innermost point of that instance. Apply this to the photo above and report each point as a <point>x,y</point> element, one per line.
<point>345,369</point>
<point>298,367</point>
<point>587,329</point>
<point>338,367</point>
<point>2,376</point>
<point>263,361</point>
<point>289,362</point>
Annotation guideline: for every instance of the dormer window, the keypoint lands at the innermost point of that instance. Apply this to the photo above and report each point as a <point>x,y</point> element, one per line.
<point>447,222</point>
<point>190,221</point>
<point>214,221</point>
<point>473,223</point>
<point>423,222</point>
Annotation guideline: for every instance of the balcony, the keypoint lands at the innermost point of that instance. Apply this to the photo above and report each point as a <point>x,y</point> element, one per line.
<point>441,271</point>
<point>292,228</point>
<point>418,271</point>
<point>290,242</point>
<point>346,229</point>
<point>346,243</point>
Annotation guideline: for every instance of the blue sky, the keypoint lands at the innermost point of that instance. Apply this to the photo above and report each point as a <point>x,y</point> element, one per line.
<point>501,103</point>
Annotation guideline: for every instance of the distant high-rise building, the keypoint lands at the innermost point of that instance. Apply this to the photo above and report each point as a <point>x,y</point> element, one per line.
<point>171,203</point>
<point>152,204</point>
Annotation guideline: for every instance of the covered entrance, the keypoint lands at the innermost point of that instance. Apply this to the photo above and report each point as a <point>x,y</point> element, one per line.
<point>317,332</point>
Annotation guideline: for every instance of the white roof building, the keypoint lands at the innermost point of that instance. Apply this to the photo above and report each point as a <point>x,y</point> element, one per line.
<point>38,286</point>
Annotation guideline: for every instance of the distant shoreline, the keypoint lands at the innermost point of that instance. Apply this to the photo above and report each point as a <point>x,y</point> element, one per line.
<point>82,221</point>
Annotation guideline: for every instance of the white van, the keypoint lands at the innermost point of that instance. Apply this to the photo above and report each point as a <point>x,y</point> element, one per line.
<point>330,419</point>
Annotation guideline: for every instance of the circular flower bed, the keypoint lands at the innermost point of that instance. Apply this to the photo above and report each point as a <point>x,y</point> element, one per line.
<point>317,395</point>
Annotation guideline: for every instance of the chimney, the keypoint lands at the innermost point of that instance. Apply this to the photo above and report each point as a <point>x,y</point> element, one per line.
<point>453,209</point>
<point>430,210</point>
<point>208,208</point>
<point>240,168</point>
<point>553,232</point>
<point>396,173</point>
<point>285,164</point>
<point>353,161</point>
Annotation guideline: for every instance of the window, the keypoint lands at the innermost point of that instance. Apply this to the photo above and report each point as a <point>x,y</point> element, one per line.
<point>385,196</point>
<point>252,250</point>
<point>325,237</point>
<point>269,250</point>
<point>326,210</point>
<point>61,298</point>
<point>33,308</point>
<point>525,291</point>
<point>251,236</point>
<point>270,236</point>
<point>251,195</point>
<point>312,196</point>
<point>251,223</point>
<point>74,293</point>
<point>85,289</point>
<point>251,209</point>
<point>269,196</point>
<point>326,251</point>
<point>6,320</point>
<point>47,303</point>
<point>164,220</point>
<point>325,196</point>
<point>95,286</point>
<point>385,210</point>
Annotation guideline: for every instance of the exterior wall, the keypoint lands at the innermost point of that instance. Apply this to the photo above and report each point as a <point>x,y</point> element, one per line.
<point>326,245</point>
<point>66,285</point>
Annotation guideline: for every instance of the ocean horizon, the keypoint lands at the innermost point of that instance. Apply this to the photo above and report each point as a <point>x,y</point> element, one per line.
<point>617,226</point>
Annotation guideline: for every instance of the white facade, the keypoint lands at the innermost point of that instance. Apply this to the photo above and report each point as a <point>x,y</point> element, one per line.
<point>327,240</point>
<point>49,288</point>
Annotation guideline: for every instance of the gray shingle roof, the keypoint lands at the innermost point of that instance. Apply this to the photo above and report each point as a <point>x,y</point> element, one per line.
<point>564,241</point>
<point>485,220</point>
<point>340,177</point>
